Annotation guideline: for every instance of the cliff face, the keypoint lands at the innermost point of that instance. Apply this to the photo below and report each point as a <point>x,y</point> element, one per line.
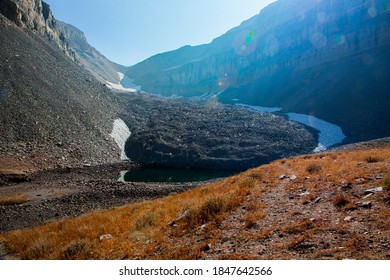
<point>102,68</point>
<point>36,15</point>
<point>325,58</point>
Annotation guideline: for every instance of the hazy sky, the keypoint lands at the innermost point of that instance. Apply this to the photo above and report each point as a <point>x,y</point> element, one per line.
<point>129,31</point>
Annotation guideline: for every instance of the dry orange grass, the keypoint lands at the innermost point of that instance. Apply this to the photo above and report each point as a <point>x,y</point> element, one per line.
<point>13,199</point>
<point>130,225</point>
<point>155,229</point>
<point>386,182</point>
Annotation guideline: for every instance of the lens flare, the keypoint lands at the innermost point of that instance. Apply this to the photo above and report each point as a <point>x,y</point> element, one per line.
<point>340,39</point>
<point>223,83</point>
<point>372,12</point>
<point>386,4</point>
<point>318,40</point>
<point>321,17</point>
<point>244,43</point>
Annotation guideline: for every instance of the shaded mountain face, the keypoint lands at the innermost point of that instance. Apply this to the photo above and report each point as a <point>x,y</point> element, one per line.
<point>51,110</point>
<point>330,59</point>
<point>101,67</point>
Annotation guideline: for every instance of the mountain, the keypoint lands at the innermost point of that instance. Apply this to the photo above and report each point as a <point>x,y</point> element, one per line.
<point>330,59</point>
<point>52,111</point>
<point>36,15</point>
<point>101,67</point>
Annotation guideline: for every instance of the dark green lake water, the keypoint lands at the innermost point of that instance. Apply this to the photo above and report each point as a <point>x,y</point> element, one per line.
<point>165,175</point>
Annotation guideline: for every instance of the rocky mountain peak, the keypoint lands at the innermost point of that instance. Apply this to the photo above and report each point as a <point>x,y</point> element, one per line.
<point>90,58</point>
<point>36,15</point>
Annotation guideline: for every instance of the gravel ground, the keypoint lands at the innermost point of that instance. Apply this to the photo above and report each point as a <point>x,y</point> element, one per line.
<point>69,192</point>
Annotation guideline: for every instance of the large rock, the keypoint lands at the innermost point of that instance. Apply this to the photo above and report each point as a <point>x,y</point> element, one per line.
<point>207,135</point>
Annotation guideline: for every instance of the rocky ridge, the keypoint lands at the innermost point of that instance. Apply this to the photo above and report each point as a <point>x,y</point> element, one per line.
<point>91,59</point>
<point>36,15</point>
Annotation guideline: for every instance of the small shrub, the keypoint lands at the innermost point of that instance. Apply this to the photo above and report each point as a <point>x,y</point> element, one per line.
<point>247,183</point>
<point>145,221</point>
<point>341,201</point>
<point>209,210</point>
<point>38,250</point>
<point>386,182</point>
<point>76,249</point>
<point>255,176</point>
<point>372,159</point>
<point>306,200</point>
<point>355,241</point>
<point>295,242</point>
<point>313,168</point>
<point>250,221</point>
<point>252,218</point>
<point>299,227</point>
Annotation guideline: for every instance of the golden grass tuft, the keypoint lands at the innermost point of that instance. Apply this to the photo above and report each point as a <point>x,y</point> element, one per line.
<point>15,199</point>
<point>78,249</point>
<point>145,221</point>
<point>373,159</point>
<point>251,219</point>
<point>342,201</point>
<point>313,168</point>
<point>299,227</point>
<point>209,209</point>
<point>386,182</point>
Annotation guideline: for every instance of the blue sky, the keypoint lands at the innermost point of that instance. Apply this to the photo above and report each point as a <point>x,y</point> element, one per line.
<point>129,31</point>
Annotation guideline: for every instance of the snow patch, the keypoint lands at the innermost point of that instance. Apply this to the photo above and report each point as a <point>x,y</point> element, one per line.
<point>260,108</point>
<point>122,176</point>
<point>120,133</point>
<point>119,86</point>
